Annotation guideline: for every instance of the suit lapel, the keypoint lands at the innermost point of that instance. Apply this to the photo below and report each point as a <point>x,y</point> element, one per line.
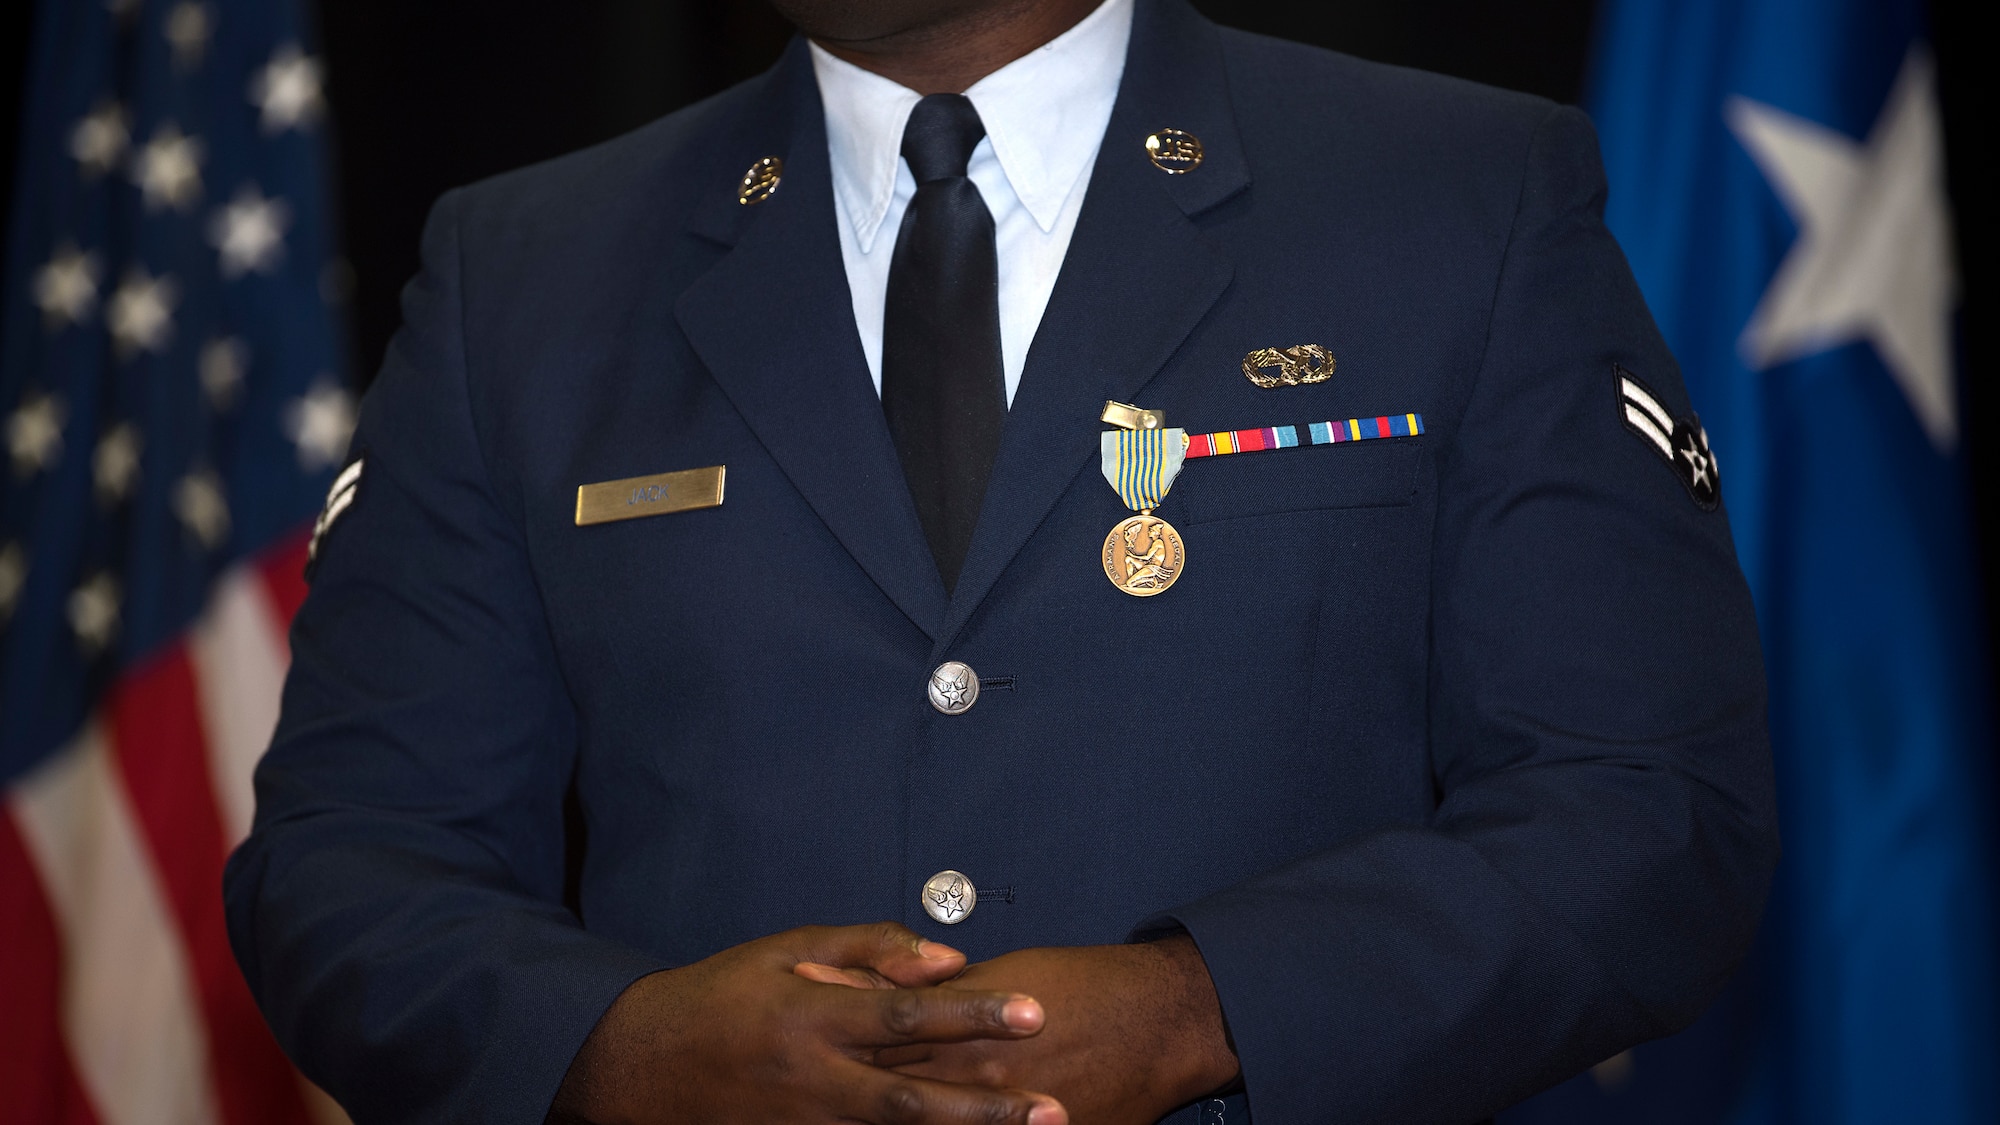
<point>1139,275</point>
<point>773,322</point>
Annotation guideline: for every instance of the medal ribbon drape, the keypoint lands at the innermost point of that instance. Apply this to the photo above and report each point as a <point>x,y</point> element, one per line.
<point>943,387</point>
<point>1142,464</point>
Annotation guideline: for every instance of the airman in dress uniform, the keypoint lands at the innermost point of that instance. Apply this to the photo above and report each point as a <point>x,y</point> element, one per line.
<point>727,694</point>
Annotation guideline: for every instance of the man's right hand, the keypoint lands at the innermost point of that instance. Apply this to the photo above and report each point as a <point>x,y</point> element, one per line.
<point>740,1037</point>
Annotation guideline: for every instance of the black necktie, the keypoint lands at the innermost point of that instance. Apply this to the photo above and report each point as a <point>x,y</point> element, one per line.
<point>942,386</point>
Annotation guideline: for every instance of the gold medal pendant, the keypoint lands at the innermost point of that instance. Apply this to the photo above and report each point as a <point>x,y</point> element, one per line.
<point>1143,555</point>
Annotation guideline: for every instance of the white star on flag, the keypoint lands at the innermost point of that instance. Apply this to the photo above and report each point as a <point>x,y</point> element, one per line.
<point>13,576</point>
<point>99,140</point>
<point>320,424</point>
<point>198,501</point>
<point>1873,257</point>
<point>189,27</point>
<point>141,315</point>
<point>223,363</point>
<point>115,465</point>
<point>287,92</point>
<point>168,169</point>
<point>93,612</point>
<point>34,434</point>
<point>250,232</point>
<point>66,287</point>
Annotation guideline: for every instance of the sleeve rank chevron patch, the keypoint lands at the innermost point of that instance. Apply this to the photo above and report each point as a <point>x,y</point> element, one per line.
<point>1682,445</point>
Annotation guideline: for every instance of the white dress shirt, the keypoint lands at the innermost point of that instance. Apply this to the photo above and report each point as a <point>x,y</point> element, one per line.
<point>1045,115</point>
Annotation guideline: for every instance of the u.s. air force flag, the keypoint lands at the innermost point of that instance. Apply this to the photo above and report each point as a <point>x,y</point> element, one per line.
<point>1777,179</point>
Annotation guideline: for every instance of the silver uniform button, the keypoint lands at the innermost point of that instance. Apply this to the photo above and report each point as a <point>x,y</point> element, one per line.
<point>949,896</point>
<point>954,688</point>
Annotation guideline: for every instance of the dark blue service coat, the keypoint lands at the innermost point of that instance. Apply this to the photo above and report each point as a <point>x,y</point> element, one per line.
<point>1449,751</point>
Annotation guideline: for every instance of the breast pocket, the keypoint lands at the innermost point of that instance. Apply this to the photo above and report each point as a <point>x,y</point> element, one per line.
<point>1372,474</point>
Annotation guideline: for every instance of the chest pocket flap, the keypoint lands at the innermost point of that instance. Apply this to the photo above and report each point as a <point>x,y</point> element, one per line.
<point>1372,474</point>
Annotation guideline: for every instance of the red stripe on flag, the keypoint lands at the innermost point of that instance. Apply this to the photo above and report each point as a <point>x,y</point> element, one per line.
<point>39,1082</point>
<point>153,719</point>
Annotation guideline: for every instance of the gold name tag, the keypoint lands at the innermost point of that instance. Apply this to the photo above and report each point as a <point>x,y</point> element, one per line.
<point>656,495</point>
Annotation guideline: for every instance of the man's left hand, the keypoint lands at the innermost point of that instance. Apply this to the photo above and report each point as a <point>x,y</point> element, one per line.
<point>1131,1032</point>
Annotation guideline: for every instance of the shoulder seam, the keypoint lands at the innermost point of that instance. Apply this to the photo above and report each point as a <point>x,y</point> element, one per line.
<point>1507,254</point>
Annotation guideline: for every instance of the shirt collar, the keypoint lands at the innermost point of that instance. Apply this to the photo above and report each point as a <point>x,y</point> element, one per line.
<point>1045,114</point>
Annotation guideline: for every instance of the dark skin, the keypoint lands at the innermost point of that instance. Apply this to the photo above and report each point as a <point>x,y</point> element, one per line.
<point>933,46</point>
<point>1130,1033</point>
<point>742,1038</point>
<point>871,1023</point>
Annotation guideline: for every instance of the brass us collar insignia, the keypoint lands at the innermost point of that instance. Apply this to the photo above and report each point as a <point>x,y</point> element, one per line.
<point>1174,151</point>
<point>1288,367</point>
<point>655,495</point>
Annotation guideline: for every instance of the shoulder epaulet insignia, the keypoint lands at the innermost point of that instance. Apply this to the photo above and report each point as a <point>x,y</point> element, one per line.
<point>1683,445</point>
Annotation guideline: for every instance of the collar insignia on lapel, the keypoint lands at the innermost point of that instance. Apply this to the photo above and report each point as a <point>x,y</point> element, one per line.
<point>761,181</point>
<point>1174,152</point>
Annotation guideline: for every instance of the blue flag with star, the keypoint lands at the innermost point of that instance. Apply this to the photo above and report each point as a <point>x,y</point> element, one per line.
<point>171,388</point>
<point>1776,177</point>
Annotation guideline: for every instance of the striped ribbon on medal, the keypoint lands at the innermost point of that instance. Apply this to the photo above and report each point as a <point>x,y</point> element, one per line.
<point>1142,464</point>
<point>1316,433</point>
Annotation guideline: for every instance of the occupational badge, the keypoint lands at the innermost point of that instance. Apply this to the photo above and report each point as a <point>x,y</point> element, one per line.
<point>1143,555</point>
<point>1297,366</point>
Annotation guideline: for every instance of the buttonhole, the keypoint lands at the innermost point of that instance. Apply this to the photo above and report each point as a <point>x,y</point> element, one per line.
<point>996,894</point>
<point>996,683</point>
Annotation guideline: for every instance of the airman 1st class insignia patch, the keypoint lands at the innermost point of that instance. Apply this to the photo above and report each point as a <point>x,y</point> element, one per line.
<point>1683,445</point>
<point>339,499</point>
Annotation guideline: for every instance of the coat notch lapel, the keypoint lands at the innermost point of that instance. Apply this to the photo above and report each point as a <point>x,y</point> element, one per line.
<point>774,324</point>
<point>1138,277</point>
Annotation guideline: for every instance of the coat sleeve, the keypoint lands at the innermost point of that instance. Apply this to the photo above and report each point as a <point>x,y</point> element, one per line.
<point>397,908</point>
<point>1604,832</point>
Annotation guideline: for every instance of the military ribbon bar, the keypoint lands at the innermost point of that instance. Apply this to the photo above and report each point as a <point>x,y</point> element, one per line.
<point>1142,464</point>
<point>1317,433</point>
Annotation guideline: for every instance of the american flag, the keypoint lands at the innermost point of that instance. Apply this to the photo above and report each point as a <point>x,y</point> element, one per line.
<point>172,411</point>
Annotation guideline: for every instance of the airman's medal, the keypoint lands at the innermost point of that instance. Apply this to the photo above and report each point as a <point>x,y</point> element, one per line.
<point>1143,555</point>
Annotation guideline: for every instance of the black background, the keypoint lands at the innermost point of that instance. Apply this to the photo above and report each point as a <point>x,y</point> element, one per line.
<point>430,94</point>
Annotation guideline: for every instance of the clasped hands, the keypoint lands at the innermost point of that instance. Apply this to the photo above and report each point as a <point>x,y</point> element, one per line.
<point>873,1024</point>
